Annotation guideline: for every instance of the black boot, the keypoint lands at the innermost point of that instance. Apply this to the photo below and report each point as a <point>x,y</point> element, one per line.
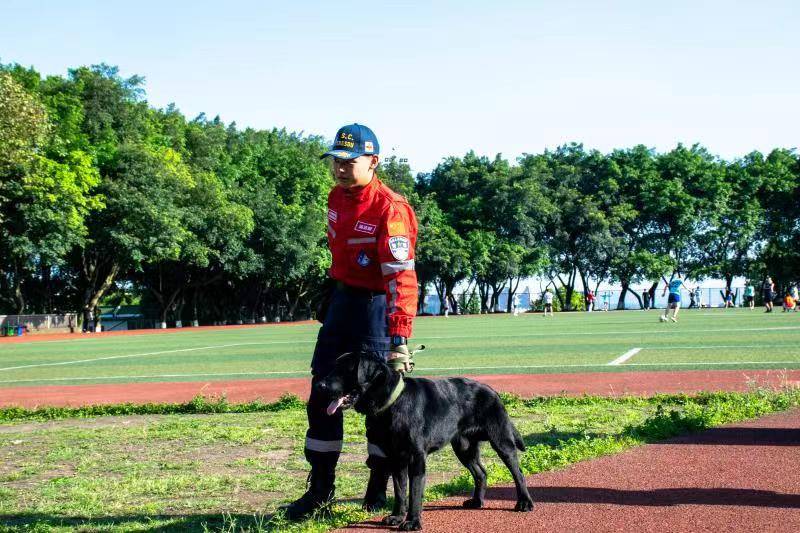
<point>375,498</point>
<point>319,496</point>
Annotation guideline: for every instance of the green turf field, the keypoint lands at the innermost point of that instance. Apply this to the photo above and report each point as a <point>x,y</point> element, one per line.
<point>529,343</point>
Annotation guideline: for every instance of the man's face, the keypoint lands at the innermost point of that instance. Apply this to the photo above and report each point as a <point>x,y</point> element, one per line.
<point>355,172</point>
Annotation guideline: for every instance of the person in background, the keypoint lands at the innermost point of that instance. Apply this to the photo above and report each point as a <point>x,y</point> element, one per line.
<point>589,301</point>
<point>749,295</point>
<point>795,298</point>
<point>728,298</point>
<point>606,300</point>
<point>789,303</point>
<point>768,290</point>
<point>646,300</point>
<point>547,297</point>
<point>674,300</point>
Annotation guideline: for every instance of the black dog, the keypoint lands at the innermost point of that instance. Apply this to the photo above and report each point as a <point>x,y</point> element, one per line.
<point>411,417</point>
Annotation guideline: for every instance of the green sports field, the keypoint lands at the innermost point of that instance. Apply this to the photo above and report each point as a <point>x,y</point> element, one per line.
<point>529,343</point>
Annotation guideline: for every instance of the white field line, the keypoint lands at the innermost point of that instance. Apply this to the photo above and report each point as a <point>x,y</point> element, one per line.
<point>61,363</point>
<point>627,332</point>
<point>521,335</point>
<point>624,357</point>
<point>154,376</point>
<point>427,369</point>
<point>713,347</point>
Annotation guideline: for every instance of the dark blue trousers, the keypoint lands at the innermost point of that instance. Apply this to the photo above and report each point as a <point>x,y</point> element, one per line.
<point>356,320</point>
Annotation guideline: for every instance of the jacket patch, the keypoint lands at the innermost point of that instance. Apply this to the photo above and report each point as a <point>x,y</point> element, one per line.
<point>397,228</point>
<point>333,216</point>
<point>362,259</point>
<point>400,247</point>
<point>366,227</point>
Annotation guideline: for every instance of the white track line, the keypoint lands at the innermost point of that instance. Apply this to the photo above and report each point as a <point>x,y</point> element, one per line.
<point>624,357</point>
<point>127,356</point>
<point>425,369</point>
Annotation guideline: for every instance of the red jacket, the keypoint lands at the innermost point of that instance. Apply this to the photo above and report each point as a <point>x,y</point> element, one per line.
<point>371,234</point>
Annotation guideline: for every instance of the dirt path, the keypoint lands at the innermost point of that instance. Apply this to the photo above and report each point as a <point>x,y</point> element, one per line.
<point>741,477</point>
<point>526,385</point>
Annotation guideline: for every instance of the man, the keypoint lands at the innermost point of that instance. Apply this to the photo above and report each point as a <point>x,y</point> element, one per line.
<point>767,288</point>
<point>590,301</point>
<point>372,232</point>
<point>548,302</point>
<point>674,300</point>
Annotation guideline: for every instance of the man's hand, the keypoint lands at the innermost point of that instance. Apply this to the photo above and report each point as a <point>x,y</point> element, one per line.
<point>400,358</point>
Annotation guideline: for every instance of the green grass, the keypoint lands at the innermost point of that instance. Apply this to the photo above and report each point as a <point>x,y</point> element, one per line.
<point>229,471</point>
<point>529,343</point>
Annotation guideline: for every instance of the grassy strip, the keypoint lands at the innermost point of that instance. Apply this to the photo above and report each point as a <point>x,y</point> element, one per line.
<point>198,405</point>
<point>216,405</point>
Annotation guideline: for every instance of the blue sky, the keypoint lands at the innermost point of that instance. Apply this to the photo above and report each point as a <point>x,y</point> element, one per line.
<point>440,78</point>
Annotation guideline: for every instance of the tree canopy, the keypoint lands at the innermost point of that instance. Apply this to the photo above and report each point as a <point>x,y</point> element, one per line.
<point>104,197</point>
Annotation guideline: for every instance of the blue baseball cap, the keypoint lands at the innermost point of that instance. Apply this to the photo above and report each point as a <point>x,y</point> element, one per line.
<point>352,141</point>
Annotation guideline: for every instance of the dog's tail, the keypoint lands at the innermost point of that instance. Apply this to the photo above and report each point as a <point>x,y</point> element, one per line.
<point>517,439</point>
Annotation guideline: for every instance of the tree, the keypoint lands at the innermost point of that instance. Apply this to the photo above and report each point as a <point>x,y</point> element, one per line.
<point>23,123</point>
<point>286,186</point>
<point>584,226</point>
<point>638,256</point>
<point>46,198</point>
<point>779,234</point>
<point>398,177</point>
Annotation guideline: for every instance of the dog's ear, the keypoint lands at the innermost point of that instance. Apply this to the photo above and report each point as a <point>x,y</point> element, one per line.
<point>368,370</point>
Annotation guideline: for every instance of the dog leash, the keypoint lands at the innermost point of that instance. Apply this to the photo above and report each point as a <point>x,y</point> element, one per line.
<point>399,363</point>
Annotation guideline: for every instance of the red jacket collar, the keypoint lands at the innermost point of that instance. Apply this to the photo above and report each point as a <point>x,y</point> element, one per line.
<point>363,193</point>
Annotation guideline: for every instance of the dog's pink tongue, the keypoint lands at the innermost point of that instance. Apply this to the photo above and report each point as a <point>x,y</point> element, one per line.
<point>334,405</point>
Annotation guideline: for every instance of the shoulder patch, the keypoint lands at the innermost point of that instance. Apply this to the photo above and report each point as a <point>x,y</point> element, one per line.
<point>400,247</point>
<point>397,228</point>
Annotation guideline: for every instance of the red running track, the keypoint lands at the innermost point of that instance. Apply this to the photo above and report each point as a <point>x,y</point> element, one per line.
<point>526,385</point>
<point>742,477</point>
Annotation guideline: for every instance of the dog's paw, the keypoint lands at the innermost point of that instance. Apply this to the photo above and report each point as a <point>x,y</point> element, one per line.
<point>473,503</point>
<point>392,520</point>
<point>523,506</point>
<point>411,525</point>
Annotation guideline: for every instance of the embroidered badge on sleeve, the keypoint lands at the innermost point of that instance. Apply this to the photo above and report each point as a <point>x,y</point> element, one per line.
<point>400,247</point>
